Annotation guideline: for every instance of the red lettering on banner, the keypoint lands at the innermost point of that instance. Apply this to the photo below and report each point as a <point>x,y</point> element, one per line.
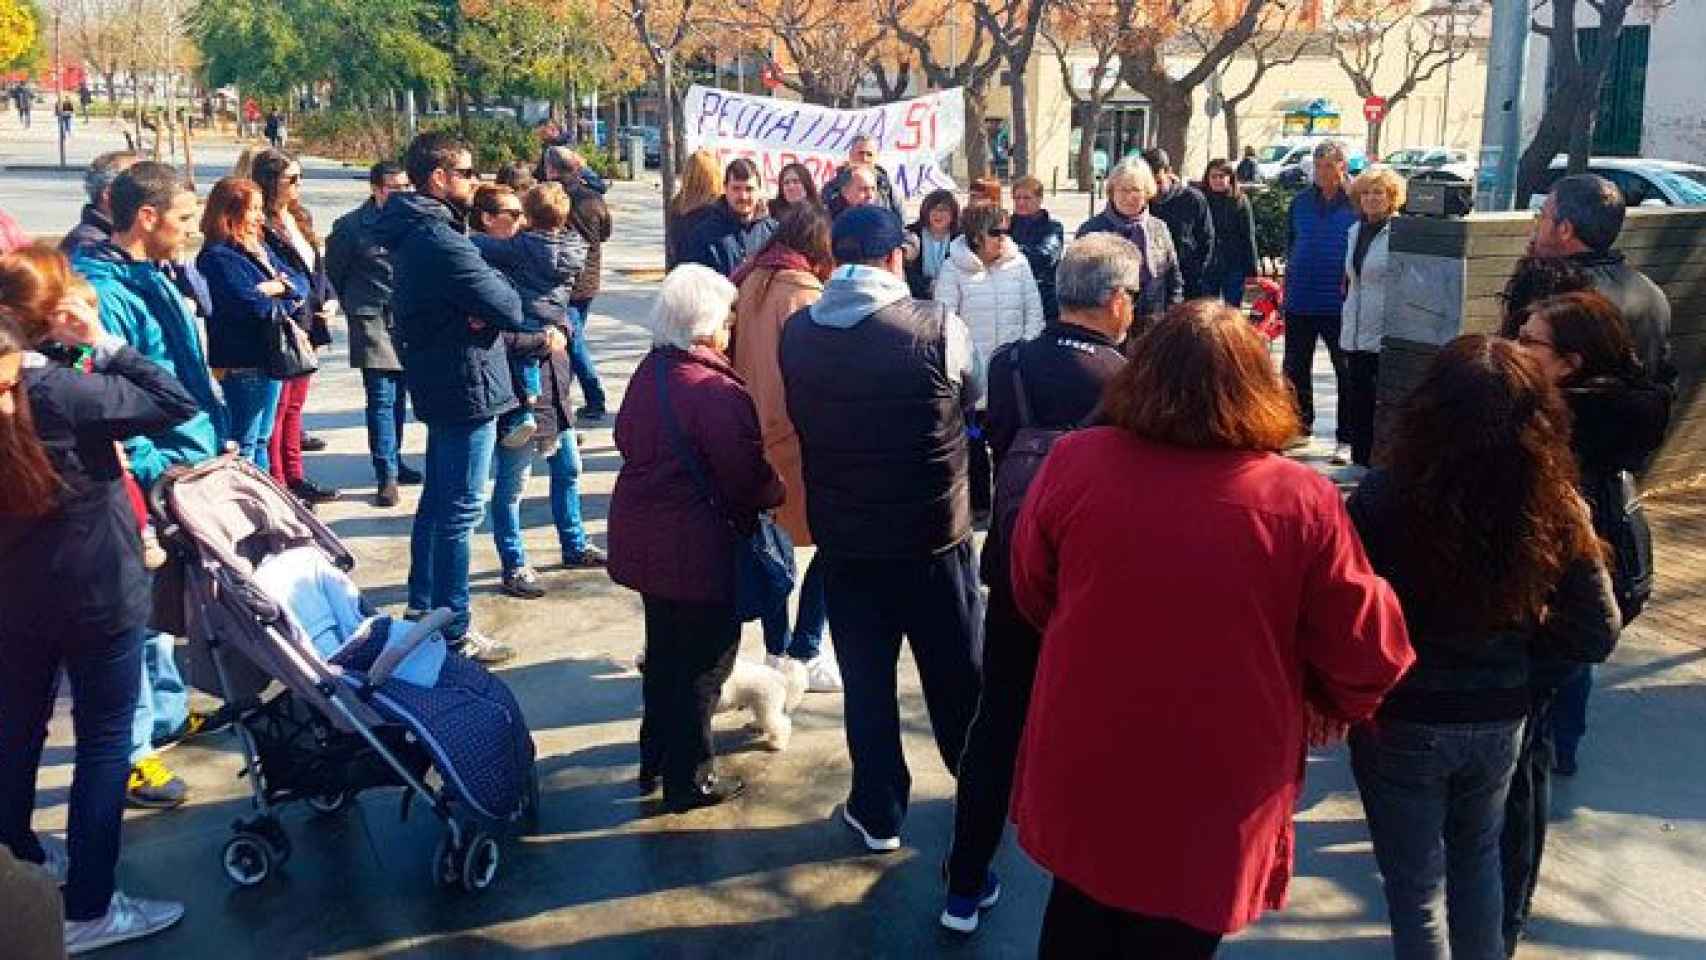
<point>911,127</point>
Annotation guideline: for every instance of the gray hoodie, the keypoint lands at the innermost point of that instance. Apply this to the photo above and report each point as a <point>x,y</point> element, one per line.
<point>854,292</point>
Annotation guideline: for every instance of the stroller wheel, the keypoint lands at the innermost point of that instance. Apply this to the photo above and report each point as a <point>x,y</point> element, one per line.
<point>248,859</point>
<point>480,863</point>
<point>446,863</point>
<point>327,804</point>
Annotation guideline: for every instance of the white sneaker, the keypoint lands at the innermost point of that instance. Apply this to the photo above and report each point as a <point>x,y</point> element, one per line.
<point>58,862</point>
<point>1341,455</point>
<point>823,674</point>
<point>873,844</point>
<point>480,648</point>
<point>127,918</point>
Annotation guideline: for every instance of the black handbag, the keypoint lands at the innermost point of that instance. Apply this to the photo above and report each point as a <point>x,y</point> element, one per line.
<point>287,353</point>
<point>764,558</point>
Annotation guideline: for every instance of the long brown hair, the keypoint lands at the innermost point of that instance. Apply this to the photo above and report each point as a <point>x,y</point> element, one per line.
<point>1489,515</point>
<point>1225,166</point>
<point>1588,325</point>
<point>1201,377</point>
<point>226,205</point>
<point>701,183</point>
<point>804,229</point>
<point>32,282</point>
<point>268,173</point>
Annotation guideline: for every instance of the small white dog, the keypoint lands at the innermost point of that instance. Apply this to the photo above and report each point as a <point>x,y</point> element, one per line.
<point>771,693</point>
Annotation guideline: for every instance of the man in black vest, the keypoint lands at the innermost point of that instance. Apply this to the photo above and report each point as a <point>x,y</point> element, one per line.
<point>877,385</point>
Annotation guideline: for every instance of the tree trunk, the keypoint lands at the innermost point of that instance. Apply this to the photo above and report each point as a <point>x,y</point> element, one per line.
<point>977,136</point>
<point>1581,132</point>
<point>1087,147</point>
<point>1229,119</point>
<point>1172,121</point>
<point>1021,155</point>
<point>1374,137</point>
<point>665,75</point>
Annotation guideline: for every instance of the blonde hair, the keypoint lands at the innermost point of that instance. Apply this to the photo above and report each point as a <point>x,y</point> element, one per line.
<point>1136,171</point>
<point>701,183</point>
<point>547,207</point>
<point>1384,179</point>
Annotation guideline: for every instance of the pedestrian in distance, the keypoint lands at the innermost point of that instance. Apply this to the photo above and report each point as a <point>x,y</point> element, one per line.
<point>1492,552</point>
<point>693,478</point>
<point>1378,195</point>
<point>734,227</point>
<point>359,269</point>
<point>1184,209</point>
<point>1148,676</point>
<point>1318,224</point>
<point>95,223</point>
<point>450,307</point>
<point>1235,258</point>
<point>1053,382</point>
<point>794,186</point>
<point>888,508</point>
<point>76,595</point>
<point>1248,171</point>
<point>931,235</point>
<point>1040,237</point>
<point>591,219</point>
<point>701,188</point>
<point>1131,184</point>
<point>782,278</point>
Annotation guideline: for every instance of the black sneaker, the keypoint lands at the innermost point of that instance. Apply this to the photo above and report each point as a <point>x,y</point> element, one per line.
<point>523,582</point>
<point>312,444</point>
<point>388,495</point>
<point>408,476</point>
<point>310,492</point>
<point>712,791</point>
<point>590,557</point>
<point>591,414</point>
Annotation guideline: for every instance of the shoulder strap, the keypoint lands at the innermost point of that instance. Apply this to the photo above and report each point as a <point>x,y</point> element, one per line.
<point>1020,398</point>
<point>683,450</point>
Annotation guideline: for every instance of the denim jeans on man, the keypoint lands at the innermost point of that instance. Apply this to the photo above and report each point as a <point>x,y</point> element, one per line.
<point>458,460</point>
<point>251,400</point>
<point>387,411</point>
<point>1570,713</point>
<point>806,639</point>
<point>936,603</point>
<point>163,702</point>
<point>1434,794</point>
<point>580,356</point>
<point>102,671</point>
<point>514,467</point>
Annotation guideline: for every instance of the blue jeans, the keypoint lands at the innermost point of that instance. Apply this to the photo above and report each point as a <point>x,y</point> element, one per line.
<point>458,459</point>
<point>387,411</point>
<point>1570,712</point>
<point>163,702</point>
<point>580,356</point>
<point>807,636</point>
<point>251,399</point>
<point>1435,798</point>
<point>102,671</point>
<point>514,467</point>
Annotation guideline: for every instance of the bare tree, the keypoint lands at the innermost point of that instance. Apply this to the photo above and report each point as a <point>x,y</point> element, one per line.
<point>1573,84</point>
<point>918,28</point>
<point>1143,61</point>
<point>1012,27</point>
<point>1364,32</point>
<point>1285,33</point>
<point>1087,23</point>
<point>892,86</point>
<point>663,31</point>
<point>830,51</point>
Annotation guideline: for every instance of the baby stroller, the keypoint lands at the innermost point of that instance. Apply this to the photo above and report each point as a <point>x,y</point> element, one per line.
<point>349,702</point>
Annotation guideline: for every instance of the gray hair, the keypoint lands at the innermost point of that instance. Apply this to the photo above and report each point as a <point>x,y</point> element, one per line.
<point>103,170</point>
<point>1330,149</point>
<point>1593,206</point>
<point>1093,267</point>
<point>692,303</point>
<point>1136,170</point>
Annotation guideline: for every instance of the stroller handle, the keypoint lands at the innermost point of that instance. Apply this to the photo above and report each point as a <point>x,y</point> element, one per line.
<point>392,656</point>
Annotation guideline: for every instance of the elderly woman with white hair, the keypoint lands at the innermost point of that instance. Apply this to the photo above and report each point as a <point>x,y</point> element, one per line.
<point>686,423</point>
<point>1131,185</point>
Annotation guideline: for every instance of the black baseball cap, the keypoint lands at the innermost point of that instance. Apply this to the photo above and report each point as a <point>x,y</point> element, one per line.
<point>866,232</point>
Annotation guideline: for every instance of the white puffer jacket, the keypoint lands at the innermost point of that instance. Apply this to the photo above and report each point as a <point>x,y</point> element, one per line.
<point>998,302</point>
<point>1364,314</point>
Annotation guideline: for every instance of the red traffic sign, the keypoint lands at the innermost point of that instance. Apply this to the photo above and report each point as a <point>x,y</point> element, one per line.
<point>1374,109</point>
<point>770,75</point>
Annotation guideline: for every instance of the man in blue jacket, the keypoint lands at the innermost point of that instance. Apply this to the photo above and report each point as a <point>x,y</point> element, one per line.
<point>152,214</point>
<point>1318,229</point>
<point>449,309</point>
<point>735,226</point>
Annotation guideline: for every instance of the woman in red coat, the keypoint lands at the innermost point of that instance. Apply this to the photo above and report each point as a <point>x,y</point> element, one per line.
<point>1198,595</point>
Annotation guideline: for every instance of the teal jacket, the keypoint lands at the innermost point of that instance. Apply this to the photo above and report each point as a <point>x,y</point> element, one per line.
<point>140,303</point>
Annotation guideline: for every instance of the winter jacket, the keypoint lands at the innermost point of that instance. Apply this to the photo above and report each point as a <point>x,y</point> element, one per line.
<point>78,569</point>
<point>312,317</point>
<point>1470,672</point>
<point>1317,231</point>
<point>919,279</point>
<point>1041,239</point>
<point>1184,210</point>
<point>359,269</point>
<point>93,229</point>
<point>450,306</point>
<point>721,240</point>
<point>1644,307</point>
<point>886,195</point>
<point>1616,426</point>
<point>1163,284</point>
<point>998,302</point>
<point>553,409</point>
<point>1141,777</point>
<point>590,217</point>
<point>139,303</point>
<point>242,315</point>
<point>541,266</point>
<point>768,297</point>
<point>1235,251</point>
<point>1364,312</point>
<point>677,229</point>
<point>666,538</point>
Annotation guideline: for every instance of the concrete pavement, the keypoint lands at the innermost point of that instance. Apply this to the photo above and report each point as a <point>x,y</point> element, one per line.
<point>773,875</point>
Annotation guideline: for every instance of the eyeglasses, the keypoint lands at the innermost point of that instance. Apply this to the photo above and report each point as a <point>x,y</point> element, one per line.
<point>466,173</point>
<point>1133,294</point>
<point>508,212</point>
<point>293,178</point>
<point>999,232</point>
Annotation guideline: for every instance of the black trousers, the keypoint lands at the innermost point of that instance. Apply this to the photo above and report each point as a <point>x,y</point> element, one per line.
<point>690,650</point>
<point>980,465</point>
<point>1362,369</point>
<point>1527,808</point>
<point>1301,331</point>
<point>935,603</point>
<point>1076,927</point>
<point>1011,647</point>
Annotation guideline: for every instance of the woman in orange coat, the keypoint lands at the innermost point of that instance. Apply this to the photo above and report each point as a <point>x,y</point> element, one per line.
<point>784,277</point>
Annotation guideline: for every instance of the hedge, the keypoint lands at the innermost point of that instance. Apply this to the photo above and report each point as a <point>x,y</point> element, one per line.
<point>358,136</point>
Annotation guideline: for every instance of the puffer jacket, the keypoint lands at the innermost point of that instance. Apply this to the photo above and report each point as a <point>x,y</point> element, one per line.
<point>999,302</point>
<point>1317,230</point>
<point>1364,313</point>
<point>541,266</point>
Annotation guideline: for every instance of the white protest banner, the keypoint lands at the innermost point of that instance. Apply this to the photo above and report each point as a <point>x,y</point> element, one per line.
<point>913,137</point>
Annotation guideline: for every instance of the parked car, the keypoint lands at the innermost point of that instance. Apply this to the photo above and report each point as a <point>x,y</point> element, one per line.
<point>1434,163</point>
<point>654,143</point>
<point>1292,165</point>
<point>1644,182</point>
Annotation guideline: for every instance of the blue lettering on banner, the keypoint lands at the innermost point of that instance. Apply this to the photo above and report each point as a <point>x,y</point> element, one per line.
<point>784,125</point>
<point>751,112</point>
<point>876,130</point>
<point>842,125</point>
<point>816,122</point>
<point>708,106</point>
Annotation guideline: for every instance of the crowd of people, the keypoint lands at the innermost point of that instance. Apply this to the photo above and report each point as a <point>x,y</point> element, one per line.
<point>883,391</point>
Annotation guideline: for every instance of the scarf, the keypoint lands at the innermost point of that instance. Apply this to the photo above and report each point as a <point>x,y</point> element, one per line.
<point>774,257</point>
<point>1132,229</point>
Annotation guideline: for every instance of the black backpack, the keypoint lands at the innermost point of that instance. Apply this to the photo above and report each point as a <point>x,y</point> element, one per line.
<point>1013,475</point>
<point>1621,522</point>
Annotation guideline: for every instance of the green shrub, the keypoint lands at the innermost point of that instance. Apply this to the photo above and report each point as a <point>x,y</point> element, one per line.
<point>351,135</point>
<point>493,141</point>
<point>1272,208</point>
<point>603,162</point>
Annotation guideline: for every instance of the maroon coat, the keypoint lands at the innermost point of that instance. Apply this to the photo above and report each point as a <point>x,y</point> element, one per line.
<point>666,540</point>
